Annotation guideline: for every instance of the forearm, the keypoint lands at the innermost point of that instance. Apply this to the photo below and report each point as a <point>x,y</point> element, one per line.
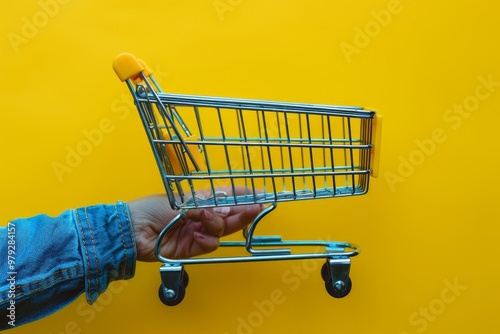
<point>55,259</point>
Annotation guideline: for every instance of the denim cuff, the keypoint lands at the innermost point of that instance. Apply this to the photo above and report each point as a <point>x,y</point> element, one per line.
<point>107,245</point>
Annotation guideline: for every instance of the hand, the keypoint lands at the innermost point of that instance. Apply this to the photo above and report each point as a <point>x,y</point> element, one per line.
<point>198,231</point>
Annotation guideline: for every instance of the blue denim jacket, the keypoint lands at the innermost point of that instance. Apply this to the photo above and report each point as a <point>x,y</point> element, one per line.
<point>47,262</point>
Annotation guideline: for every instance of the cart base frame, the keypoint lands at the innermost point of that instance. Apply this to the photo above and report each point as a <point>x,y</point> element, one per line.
<point>335,271</point>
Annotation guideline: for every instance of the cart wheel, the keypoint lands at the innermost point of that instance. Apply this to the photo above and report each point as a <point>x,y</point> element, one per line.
<point>338,289</point>
<point>325,273</point>
<point>174,300</point>
<point>185,278</point>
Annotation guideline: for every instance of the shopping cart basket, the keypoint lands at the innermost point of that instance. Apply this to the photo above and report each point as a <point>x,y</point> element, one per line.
<point>277,151</point>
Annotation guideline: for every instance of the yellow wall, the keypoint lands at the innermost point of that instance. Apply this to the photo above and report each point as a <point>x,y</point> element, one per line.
<point>427,227</point>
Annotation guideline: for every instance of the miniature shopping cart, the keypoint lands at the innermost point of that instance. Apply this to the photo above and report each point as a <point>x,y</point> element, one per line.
<point>277,152</point>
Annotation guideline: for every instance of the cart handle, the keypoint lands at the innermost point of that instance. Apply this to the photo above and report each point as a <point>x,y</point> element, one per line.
<point>127,66</point>
<point>376,143</point>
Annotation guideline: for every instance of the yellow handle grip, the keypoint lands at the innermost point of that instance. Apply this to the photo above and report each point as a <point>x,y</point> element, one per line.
<point>147,70</point>
<point>127,66</point>
<point>376,142</point>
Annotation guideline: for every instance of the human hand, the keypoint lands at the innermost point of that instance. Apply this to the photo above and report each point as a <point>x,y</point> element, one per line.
<point>196,233</point>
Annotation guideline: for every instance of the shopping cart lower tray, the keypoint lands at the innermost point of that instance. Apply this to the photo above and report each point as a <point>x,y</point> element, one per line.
<point>209,148</point>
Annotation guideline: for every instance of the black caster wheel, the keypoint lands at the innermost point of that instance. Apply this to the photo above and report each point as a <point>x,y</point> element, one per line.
<point>169,298</point>
<point>185,278</point>
<point>338,289</point>
<point>325,272</point>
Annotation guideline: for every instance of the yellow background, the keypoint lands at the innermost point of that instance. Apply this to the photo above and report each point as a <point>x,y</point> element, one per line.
<point>429,221</point>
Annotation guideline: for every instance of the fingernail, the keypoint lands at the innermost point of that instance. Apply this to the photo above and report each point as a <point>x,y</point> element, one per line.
<point>198,235</point>
<point>222,210</point>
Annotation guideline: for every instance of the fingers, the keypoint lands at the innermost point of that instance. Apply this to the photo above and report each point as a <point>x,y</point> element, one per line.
<point>212,223</point>
<point>229,191</point>
<point>221,221</point>
<point>207,242</point>
<point>240,216</point>
<point>204,244</point>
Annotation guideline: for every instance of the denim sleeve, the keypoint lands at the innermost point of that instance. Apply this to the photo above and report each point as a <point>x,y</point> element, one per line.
<point>49,261</point>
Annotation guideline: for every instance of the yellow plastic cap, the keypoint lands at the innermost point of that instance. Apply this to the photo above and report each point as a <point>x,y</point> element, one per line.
<point>147,70</point>
<point>127,66</point>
